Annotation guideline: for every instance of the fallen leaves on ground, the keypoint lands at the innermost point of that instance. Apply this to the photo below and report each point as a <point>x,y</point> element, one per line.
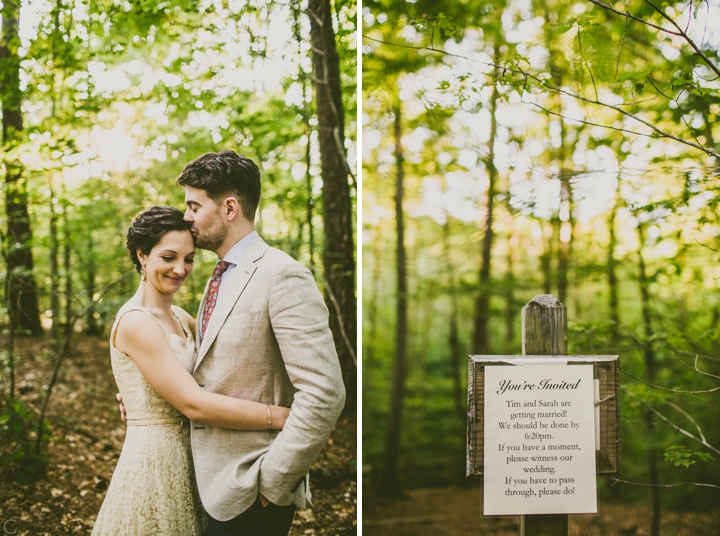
<point>457,511</point>
<point>87,436</point>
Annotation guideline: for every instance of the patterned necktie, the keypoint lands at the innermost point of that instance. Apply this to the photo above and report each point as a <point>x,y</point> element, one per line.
<point>212,295</point>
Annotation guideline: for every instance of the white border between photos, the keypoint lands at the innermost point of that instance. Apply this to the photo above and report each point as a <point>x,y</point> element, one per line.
<point>358,263</point>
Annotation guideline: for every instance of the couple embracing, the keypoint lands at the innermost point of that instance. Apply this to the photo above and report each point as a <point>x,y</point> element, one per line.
<point>224,415</point>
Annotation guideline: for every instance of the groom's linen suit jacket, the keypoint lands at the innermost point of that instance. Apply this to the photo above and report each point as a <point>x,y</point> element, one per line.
<point>268,341</point>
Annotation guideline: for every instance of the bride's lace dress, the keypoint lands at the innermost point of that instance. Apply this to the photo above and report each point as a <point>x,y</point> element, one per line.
<point>153,489</point>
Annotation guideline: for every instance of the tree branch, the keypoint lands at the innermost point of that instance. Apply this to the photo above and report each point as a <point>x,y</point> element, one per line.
<point>682,116</point>
<point>666,388</point>
<point>706,246</point>
<point>685,36</point>
<point>622,45</point>
<point>684,432</point>
<point>633,17</point>
<point>428,49</point>
<point>695,367</point>
<point>582,55</point>
<point>661,133</point>
<point>591,123</point>
<point>689,417</point>
<point>549,87</point>
<point>679,33</point>
<point>701,484</point>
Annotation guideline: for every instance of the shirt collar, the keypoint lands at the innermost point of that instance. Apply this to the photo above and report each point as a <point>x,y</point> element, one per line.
<point>238,250</point>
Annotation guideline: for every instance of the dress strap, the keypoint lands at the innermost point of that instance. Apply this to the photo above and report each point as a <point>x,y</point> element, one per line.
<point>183,322</point>
<point>122,313</point>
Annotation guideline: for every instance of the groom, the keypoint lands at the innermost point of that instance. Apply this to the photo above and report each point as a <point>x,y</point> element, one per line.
<point>263,335</point>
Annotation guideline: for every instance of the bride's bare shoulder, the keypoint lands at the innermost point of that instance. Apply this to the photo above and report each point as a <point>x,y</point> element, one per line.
<point>134,328</point>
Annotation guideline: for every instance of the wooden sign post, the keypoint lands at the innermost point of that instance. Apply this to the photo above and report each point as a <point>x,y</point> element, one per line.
<point>544,332</point>
<point>538,429</point>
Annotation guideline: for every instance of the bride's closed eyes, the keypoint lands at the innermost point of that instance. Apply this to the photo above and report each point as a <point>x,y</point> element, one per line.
<point>170,258</point>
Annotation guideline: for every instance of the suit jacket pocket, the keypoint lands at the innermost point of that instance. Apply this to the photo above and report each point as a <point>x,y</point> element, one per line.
<point>244,318</point>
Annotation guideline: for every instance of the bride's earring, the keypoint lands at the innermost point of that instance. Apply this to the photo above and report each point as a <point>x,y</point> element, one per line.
<point>142,274</point>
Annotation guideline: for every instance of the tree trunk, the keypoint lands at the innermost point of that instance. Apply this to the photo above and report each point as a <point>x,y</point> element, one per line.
<point>22,291</point>
<point>339,256</point>
<point>650,369</point>
<point>546,258</point>
<point>91,275</point>
<point>510,300</point>
<point>67,257</point>
<point>389,484</point>
<point>10,349</point>
<point>612,272</point>
<point>481,343</point>
<point>565,222</point>
<point>453,335</point>
<point>370,342</point>
<point>565,235</point>
<point>310,203</point>
<point>308,148</point>
<point>54,271</point>
<point>54,245</point>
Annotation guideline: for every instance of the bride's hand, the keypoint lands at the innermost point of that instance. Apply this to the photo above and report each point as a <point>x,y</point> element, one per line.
<point>121,407</point>
<point>278,415</point>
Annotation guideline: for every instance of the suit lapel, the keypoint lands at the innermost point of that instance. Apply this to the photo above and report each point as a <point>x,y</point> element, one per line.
<point>233,288</point>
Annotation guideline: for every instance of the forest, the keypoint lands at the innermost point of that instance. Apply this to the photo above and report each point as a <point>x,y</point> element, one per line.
<point>512,148</point>
<point>103,103</point>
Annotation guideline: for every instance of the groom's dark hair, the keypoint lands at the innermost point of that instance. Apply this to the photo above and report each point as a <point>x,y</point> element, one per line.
<point>225,174</point>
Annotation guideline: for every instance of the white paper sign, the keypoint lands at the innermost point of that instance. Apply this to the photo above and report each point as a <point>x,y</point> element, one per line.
<point>539,440</point>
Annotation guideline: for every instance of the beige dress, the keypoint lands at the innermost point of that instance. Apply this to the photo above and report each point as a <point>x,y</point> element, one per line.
<point>153,488</point>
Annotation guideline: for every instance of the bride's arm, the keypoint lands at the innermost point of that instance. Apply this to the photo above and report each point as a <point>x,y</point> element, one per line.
<point>146,343</point>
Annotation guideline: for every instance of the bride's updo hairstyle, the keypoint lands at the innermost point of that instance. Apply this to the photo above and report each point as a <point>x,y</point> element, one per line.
<point>150,226</point>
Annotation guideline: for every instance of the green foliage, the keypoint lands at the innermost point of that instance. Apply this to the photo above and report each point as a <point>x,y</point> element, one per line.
<point>563,27</point>
<point>120,96</point>
<point>17,455</point>
<point>681,456</point>
<point>660,195</point>
<point>439,25</point>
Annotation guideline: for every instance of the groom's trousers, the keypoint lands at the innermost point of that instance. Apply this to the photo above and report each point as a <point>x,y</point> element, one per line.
<point>271,520</point>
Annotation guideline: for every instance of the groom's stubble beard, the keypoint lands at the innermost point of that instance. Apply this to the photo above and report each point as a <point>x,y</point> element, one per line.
<point>212,238</point>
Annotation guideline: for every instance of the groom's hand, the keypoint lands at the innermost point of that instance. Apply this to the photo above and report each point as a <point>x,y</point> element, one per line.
<point>263,500</point>
<point>121,407</point>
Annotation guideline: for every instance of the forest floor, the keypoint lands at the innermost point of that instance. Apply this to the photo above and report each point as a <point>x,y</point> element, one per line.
<point>87,436</point>
<point>456,511</point>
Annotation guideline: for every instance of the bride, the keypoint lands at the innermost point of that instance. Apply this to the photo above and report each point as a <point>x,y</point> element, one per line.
<point>152,350</point>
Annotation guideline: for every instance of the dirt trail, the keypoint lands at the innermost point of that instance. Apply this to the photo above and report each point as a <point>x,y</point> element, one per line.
<point>457,511</point>
<point>86,438</point>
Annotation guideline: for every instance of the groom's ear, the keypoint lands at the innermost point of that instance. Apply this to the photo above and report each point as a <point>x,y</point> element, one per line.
<point>231,209</point>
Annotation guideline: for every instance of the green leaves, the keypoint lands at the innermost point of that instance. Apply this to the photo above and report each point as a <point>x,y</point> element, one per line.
<point>681,456</point>
<point>563,27</point>
<point>16,428</point>
<point>439,25</point>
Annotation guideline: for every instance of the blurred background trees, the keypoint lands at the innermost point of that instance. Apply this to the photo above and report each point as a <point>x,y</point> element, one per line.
<point>544,147</point>
<point>103,103</point>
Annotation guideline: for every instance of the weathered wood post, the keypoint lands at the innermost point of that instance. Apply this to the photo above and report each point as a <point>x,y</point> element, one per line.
<point>544,332</point>
<point>543,424</point>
